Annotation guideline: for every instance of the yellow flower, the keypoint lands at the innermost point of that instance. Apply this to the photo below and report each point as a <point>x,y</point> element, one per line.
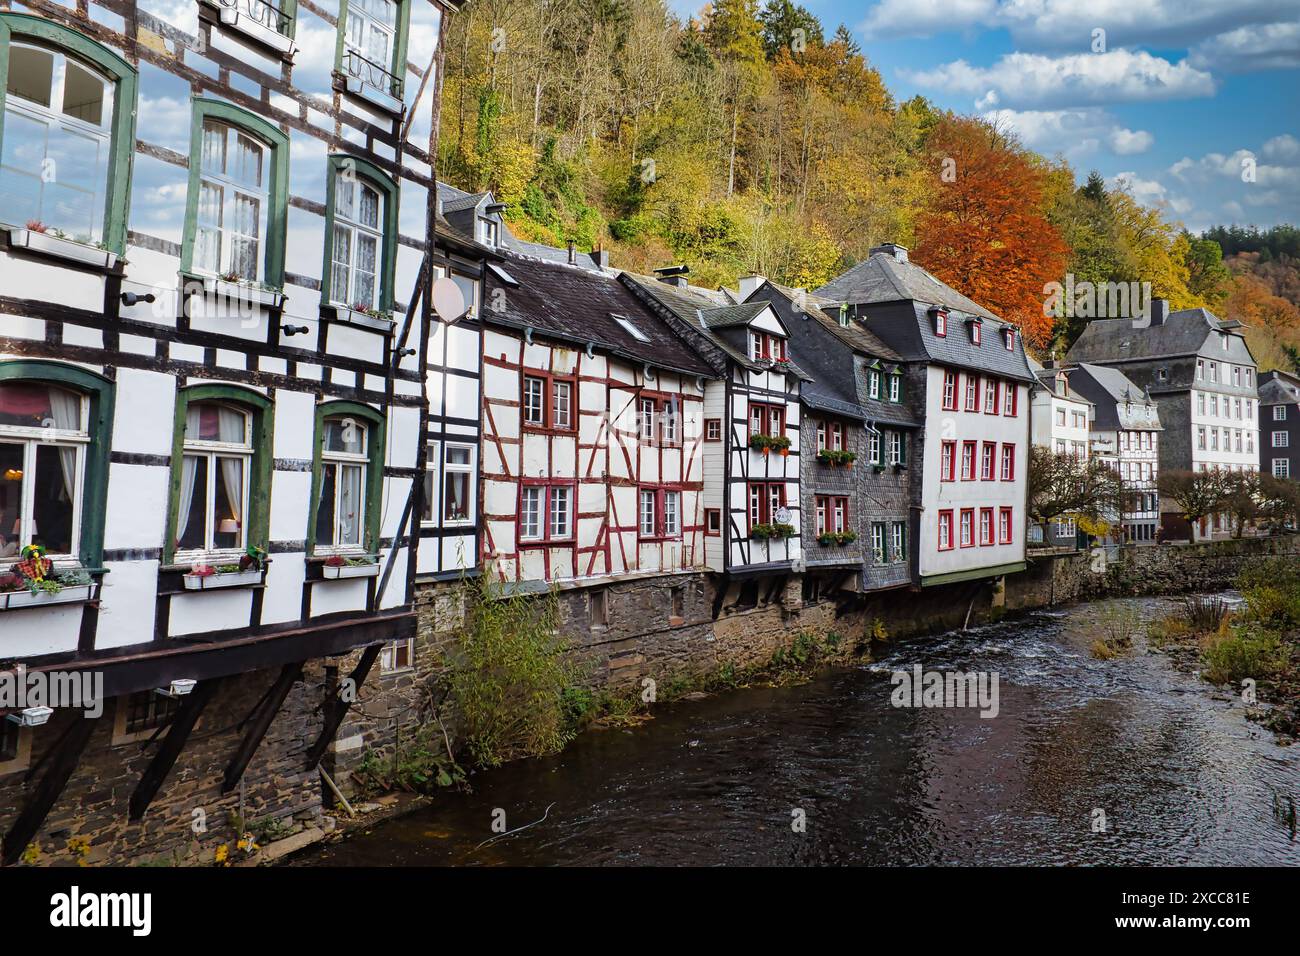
<point>223,851</point>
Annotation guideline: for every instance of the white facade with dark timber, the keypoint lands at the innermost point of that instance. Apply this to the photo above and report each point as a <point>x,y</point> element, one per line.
<point>213,328</point>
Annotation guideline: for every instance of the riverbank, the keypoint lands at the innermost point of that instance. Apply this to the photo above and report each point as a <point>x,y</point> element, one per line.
<point>718,780</point>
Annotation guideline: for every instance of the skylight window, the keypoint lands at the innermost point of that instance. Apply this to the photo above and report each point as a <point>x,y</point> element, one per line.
<point>630,328</point>
<point>501,274</point>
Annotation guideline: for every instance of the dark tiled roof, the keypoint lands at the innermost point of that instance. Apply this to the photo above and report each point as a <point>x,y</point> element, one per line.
<point>882,278</point>
<point>579,306</point>
<point>855,334</point>
<point>732,316</point>
<point>1110,391</point>
<point>1278,388</point>
<point>1185,332</point>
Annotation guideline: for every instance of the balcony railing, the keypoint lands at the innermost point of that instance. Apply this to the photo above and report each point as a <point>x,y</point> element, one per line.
<point>372,74</point>
<point>264,13</point>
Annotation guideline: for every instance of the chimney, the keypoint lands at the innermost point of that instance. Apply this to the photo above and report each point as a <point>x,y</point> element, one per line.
<point>601,258</point>
<point>1159,311</point>
<point>573,253</point>
<point>749,285</point>
<point>674,275</point>
<point>893,250</point>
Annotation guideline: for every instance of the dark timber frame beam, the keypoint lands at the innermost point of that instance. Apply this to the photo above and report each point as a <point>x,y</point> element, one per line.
<point>289,675</point>
<point>62,764</point>
<point>178,734</point>
<point>337,708</point>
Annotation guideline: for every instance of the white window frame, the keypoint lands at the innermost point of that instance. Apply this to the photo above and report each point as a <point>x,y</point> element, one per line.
<point>1279,413</point>
<point>533,400</point>
<point>433,484</point>
<point>338,460</point>
<point>388,656</point>
<point>469,469</point>
<point>1281,439</point>
<point>230,191</point>
<point>355,229</point>
<point>211,450</point>
<point>1281,467</point>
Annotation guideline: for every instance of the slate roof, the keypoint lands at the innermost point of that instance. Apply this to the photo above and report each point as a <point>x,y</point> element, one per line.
<point>732,316</point>
<point>1110,390</point>
<point>1183,333</point>
<point>882,278</point>
<point>855,334</point>
<point>578,305</point>
<point>1278,388</point>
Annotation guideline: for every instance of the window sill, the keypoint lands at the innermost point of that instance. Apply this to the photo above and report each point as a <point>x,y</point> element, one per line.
<point>377,323</point>
<point>75,594</point>
<point>68,250</point>
<point>240,22</point>
<point>231,579</point>
<point>363,91</point>
<point>335,573</point>
<point>243,293</point>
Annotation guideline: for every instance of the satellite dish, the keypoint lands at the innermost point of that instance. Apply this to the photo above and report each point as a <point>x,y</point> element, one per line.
<point>449,300</point>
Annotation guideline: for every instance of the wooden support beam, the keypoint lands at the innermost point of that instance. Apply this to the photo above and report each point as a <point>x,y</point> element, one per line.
<point>178,734</point>
<point>62,763</point>
<point>260,724</point>
<point>337,709</point>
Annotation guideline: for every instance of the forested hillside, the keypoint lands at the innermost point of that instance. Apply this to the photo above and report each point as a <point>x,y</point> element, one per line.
<point>756,138</point>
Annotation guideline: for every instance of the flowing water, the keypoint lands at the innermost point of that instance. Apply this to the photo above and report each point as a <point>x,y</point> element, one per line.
<point>1178,772</point>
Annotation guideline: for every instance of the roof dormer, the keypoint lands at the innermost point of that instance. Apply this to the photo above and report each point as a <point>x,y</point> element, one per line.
<point>940,317</point>
<point>975,324</point>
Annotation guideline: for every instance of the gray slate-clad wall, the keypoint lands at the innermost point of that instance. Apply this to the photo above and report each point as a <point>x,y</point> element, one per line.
<point>1278,389</point>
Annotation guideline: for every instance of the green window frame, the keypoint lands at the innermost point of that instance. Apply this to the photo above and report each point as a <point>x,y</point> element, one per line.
<point>374,176</point>
<point>259,473</point>
<point>99,423</point>
<point>277,213</point>
<point>376,443</point>
<point>402,33</point>
<point>117,193</point>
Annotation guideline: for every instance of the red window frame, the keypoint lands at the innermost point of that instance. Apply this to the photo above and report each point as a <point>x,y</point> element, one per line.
<point>986,539</point>
<point>660,403</point>
<point>961,522</point>
<point>1007,464</point>
<point>765,418</point>
<point>765,345</point>
<point>713,429</point>
<point>949,395</point>
<point>949,473</point>
<point>1005,519</point>
<point>1010,337</point>
<point>659,533</point>
<point>548,401</point>
<point>712,520</point>
<point>1012,394</point>
<point>968,459</point>
<point>991,408</point>
<point>765,501</point>
<point>970,395</point>
<point>975,327</point>
<point>544,515</point>
<point>941,323</point>
<point>826,506</point>
<point>945,523</point>
<point>988,461</point>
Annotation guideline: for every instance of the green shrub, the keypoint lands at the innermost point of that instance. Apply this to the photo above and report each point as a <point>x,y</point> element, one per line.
<point>1271,588</point>
<point>1242,653</point>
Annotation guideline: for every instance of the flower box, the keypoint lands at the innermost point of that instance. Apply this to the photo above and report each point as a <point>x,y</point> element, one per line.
<point>242,22</point>
<point>355,86</point>
<point>343,572</point>
<point>71,594</point>
<point>245,293</point>
<point>228,579</point>
<point>69,250</point>
<point>380,323</point>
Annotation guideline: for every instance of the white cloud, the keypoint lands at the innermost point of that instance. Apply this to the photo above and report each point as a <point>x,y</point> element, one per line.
<point>1281,148</point>
<point>1079,79</point>
<point>1068,24</point>
<point>1150,192</point>
<point>1271,46</point>
<point>1073,133</point>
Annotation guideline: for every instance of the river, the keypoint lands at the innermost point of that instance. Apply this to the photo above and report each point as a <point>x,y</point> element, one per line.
<point>1178,772</point>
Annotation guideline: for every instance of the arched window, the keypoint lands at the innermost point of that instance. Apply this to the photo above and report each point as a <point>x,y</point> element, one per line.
<point>215,468</point>
<point>347,481</point>
<point>67,132</point>
<point>360,236</point>
<point>221,474</point>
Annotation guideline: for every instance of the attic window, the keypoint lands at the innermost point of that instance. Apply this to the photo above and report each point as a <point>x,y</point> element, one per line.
<point>844,316</point>
<point>940,323</point>
<point>489,232</point>
<point>501,274</point>
<point>629,328</point>
<point>1163,374</point>
<point>975,326</point>
<point>1010,337</point>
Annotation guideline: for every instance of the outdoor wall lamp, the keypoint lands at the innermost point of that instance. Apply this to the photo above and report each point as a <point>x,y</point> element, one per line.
<point>134,298</point>
<point>31,716</point>
<point>177,688</point>
<point>294,329</point>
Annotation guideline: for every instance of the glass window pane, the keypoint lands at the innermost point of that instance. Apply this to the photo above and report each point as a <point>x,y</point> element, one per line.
<point>228,508</point>
<point>325,508</point>
<point>20,167</point>
<point>76,176</point>
<point>351,478</point>
<point>345,435</point>
<point>456,497</point>
<point>344,196</point>
<point>55,492</point>
<point>83,94</point>
<point>368,215</point>
<point>214,147</point>
<point>457,455</point>
<point>247,165</point>
<point>31,74</point>
<point>193,504</point>
<point>340,284</point>
<point>11,499</point>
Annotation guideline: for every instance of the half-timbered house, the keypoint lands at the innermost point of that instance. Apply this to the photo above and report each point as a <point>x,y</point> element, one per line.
<point>213,332</point>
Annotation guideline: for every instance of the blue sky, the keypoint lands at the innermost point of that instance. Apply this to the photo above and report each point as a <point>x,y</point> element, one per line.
<point>1193,104</point>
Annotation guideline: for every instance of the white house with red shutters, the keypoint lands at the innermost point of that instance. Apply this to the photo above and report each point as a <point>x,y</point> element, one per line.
<point>969,377</point>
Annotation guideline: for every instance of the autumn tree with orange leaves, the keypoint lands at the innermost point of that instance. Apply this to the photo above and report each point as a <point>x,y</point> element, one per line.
<point>983,229</point>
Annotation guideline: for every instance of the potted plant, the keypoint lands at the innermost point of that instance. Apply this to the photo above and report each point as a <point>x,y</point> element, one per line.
<point>242,290</point>
<point>364,315</point>
<point>760,532</point>
<point>760,443</point>
<point>845,537</point>
<point>782,530</point>
<point>827,538</point>
<point>248,571</point>
<point>338,566</point>
<point>781,443</point>
<point>33,581</point>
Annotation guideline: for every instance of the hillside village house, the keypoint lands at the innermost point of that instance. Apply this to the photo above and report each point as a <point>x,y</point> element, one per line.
<point>967,375</point>
<point>213,335</point>
<point>1279,424</point>
<point>855,479</point>
<point>1199,370</point>
<point>1060,420</point>
<point>1126,435</point>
